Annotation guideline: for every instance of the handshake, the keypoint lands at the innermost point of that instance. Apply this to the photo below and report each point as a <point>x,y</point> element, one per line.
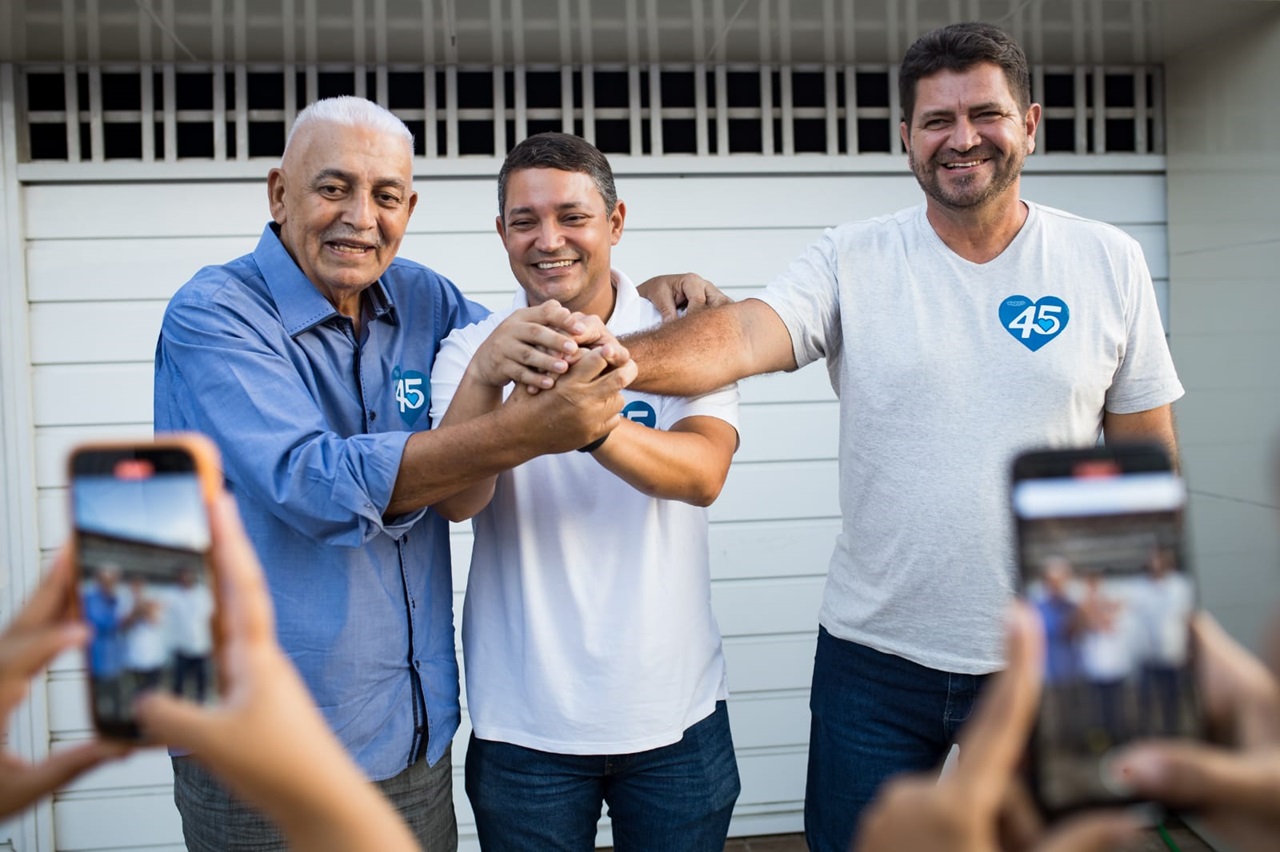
<point>570,360</point>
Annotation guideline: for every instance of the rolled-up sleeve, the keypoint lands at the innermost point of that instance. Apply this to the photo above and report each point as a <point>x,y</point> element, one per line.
<point>256,394</point>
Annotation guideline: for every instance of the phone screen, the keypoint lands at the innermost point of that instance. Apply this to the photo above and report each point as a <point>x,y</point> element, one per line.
<point>1101,559</point>
<point>142,535</point>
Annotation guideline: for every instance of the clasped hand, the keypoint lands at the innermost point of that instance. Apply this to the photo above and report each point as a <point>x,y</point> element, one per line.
<point>535,346</point>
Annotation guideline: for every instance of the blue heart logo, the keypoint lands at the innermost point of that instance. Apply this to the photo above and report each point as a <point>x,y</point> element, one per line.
<point>412,390</point>
<point>1033,324</point>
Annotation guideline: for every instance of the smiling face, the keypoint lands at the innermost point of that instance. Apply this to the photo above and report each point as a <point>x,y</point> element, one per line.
<point>342,198</point>
<point>558,234</point>
<point>968,138</point>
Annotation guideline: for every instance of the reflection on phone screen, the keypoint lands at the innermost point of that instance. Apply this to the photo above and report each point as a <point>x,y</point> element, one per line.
<point>1101,560</point>
<point>142,535</point>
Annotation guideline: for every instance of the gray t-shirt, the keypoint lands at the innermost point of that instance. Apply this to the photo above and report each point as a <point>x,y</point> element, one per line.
<point>945,369</point>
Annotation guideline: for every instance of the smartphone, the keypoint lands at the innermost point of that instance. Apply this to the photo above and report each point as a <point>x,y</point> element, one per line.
<point>140,543</point>
<point>1101,557</point>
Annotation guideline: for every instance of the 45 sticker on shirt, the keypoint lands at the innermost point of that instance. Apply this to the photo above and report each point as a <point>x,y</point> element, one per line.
<point>413,390</point>
<point>1033,324</point>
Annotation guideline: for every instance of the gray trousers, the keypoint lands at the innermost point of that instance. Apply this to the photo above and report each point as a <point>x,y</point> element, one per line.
<point>213,820</point>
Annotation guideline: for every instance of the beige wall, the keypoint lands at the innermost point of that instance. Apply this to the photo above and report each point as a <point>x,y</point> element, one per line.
<point>1224,281</point>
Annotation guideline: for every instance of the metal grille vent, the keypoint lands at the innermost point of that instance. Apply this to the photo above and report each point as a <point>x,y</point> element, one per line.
<point>171,111</point>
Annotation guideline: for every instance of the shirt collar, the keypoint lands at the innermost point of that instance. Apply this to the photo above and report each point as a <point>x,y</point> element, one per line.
<point>300,304</point>
<point>624,294</point>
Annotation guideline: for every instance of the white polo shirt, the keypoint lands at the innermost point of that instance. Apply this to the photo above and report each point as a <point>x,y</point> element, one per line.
<point>587,627</point>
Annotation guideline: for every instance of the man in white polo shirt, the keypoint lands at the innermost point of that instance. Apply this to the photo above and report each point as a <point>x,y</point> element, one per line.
<point>593,662</point>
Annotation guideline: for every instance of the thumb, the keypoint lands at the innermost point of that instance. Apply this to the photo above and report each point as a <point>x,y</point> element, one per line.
<point>174,721</point>
<point>625,374</point>
<point>1196,775</point>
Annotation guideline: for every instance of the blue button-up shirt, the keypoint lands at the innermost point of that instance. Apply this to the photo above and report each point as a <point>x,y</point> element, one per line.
<point>312,422</point>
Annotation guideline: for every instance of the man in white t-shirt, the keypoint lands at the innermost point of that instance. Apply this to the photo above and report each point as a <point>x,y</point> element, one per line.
<point>956,333</point>
<point>594,670</point>
<point>190,606</point>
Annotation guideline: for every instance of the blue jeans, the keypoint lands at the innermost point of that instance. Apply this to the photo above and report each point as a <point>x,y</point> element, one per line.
<point>677,797</point>
<point>874,715</point>
<point>214,820</point>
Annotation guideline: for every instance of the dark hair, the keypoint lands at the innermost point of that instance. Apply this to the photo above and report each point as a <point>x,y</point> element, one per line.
<point>959,47</point>
<point>559,151</point>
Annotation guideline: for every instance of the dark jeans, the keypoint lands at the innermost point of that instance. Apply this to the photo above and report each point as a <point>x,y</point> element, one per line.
<point>196,668</point>
<point>874,715</point>
<point>673,798</point>
<point>215,821</point>
<point>1161,700</point>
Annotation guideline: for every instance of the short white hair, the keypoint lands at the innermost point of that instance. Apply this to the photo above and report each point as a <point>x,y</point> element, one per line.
<point>350,111</point>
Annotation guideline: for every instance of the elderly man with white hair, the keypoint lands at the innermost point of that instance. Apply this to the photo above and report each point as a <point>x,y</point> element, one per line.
<point>307,361</point>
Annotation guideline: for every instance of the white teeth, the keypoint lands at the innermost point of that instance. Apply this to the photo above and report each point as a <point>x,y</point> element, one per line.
<point>964,165</point>
<point>554,264</point>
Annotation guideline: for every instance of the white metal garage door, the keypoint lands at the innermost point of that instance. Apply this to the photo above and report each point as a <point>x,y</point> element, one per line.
<point>97,241</point>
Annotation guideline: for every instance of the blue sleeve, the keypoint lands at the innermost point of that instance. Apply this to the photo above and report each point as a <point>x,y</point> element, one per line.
<point>216,373</point>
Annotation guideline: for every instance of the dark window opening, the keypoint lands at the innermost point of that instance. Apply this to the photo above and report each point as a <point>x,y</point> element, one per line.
<point>542,89</point>
<point>874,136</point>
<point>264,91</point>
<point>811,135</point>
<point>680,136</point>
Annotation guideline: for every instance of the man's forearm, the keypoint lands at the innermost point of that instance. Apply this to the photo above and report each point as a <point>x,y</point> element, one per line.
<point>441,462</point>
<point>585,404</point>
<point>1154,425</point>
<point>688,463</point>
<point>713,348</point>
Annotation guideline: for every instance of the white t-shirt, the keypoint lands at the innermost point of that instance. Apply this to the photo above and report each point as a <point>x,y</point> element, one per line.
<point>189,611</point>
<point>1164,610</point>
<point>587,627</point>
<point>945,369</point>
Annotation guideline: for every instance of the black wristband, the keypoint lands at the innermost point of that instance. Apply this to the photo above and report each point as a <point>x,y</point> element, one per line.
<point>594,445</point>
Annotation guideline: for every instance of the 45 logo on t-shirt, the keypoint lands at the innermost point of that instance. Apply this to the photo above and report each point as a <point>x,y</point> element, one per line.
<point>413,389</point>
<point>1033,324</point>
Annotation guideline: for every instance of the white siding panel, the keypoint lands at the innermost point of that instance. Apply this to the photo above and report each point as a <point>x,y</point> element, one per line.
<point>95,332</point>
<point>144,768</point>
<point>68,270</point>
<point>92,394</point>
<point>147,210</point>
<point>808,384</point>
<point>761,607</point>
<point>766,491</point>
<point>69,704</point>
<point>760,549</point>
<point>125,821</point>
<point>51,507</point>
<point>54,443</point>
<point>760,664</point>
<point>809,431</point>
<point>772,777</point>
<point>769,720</point>
<point>453,205</point>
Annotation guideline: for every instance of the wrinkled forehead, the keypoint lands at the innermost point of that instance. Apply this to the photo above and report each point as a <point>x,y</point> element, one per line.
<point>327,146</point>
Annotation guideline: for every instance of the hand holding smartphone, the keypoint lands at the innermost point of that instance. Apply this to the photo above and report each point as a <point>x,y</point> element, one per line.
<point>1101,557</point>
<point>141,539</point>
